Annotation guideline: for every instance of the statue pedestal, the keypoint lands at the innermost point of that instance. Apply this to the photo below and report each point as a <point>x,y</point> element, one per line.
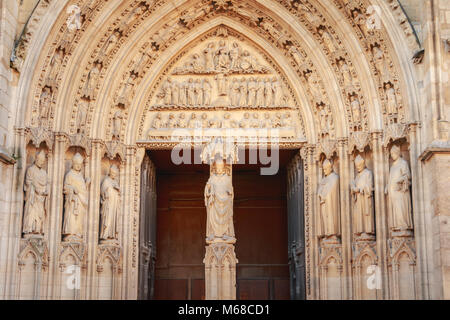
<point>220,271</point>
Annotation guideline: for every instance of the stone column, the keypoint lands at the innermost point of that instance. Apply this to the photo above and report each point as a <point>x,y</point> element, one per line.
<point>311,241</point>
<point>220,263</point>
<point>346,236</point>
<point>92,226</point>
<point>220,271</point>
<point>380,211</point>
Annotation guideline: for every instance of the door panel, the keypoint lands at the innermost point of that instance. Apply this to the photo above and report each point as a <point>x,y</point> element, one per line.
<point>171,289</point>
<point>253,289</point>
<point>260,221</point>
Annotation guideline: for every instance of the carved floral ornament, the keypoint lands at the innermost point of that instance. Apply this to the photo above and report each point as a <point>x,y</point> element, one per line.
<point>310,14</point>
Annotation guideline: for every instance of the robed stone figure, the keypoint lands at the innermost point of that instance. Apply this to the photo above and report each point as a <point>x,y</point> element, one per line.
<point>329,208</point>
<point>219,204</point>
<point>362,199</point>
<point>398,191</point>
<point>76,200</point>
<point>36,192</point>
<point>110,205</point>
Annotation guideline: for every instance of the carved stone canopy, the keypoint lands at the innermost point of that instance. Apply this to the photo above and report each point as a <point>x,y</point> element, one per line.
<point>219,148</point>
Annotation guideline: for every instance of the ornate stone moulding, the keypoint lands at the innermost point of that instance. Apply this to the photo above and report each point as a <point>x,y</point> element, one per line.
<point>77,249</point>
<point>168,145</point>
<point>112,252</point>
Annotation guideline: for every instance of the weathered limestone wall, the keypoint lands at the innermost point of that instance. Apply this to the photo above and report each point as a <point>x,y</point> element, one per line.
<point>435,147</point>
<point>8,22</point>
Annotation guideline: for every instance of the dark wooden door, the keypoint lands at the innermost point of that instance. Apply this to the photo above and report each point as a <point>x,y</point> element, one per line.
<point>260,220</point>
<point>147,230</point>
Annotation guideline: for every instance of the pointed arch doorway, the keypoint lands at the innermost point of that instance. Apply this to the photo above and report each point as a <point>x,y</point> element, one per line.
<point>268,218</point>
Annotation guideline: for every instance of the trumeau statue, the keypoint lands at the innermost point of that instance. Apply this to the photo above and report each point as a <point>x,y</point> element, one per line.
<point>219,204</point>
<point>36,192</point>
<point>76,200</point>
<point>329,208</point>
<point>397,189</point>
<point>362,196</point>
<point>110,206</point>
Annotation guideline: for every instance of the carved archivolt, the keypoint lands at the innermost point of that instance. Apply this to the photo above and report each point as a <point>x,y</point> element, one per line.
<point>309,14</point>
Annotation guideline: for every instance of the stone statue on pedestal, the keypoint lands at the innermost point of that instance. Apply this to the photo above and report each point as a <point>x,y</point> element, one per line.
<point>329,208</point>
<point>397,189</point>
<point>76,200</point>
<point>219,204</point>
<point>362,196</point>
<point>36,192</point>
<point>110,209</point>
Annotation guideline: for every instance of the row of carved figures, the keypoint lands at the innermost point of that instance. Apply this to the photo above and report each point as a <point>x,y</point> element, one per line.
<point>222,58</point>
<point>277,120</point>
<point>251,92</point>
<point>76,200</point>
<point>363,207</point>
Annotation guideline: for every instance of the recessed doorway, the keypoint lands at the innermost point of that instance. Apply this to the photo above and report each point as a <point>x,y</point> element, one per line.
<point>261,226</point>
